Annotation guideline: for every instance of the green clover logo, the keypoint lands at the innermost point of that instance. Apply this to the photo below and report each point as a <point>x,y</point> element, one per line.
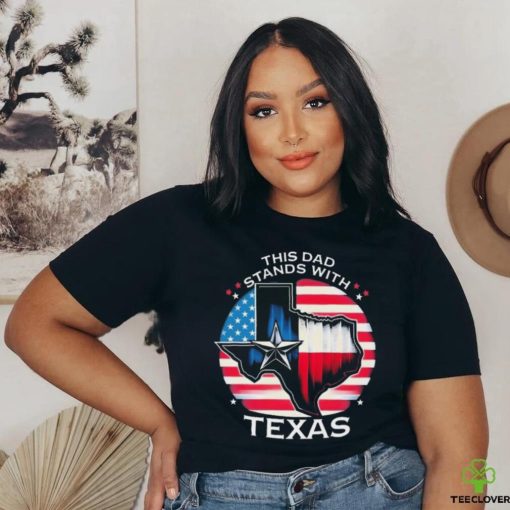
<point>478,474</point>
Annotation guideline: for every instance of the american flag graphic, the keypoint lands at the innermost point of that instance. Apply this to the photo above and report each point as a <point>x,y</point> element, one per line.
<point>296,349</point>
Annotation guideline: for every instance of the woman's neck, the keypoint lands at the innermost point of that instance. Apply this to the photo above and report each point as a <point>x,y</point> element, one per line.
<point>324,203</point>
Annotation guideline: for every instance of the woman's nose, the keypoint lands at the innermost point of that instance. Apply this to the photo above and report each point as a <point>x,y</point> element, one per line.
<point>292,129</point>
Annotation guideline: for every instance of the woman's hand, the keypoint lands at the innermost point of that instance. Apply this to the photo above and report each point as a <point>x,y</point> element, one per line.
<point>162,472</point>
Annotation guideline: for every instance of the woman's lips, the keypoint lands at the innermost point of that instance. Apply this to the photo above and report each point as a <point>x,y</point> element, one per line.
<point>298,164</point>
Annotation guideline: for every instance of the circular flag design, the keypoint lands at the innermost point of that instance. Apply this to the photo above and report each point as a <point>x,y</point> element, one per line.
<point>302,349</point>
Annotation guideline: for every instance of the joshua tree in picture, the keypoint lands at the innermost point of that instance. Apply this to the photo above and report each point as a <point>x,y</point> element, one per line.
<point>20,61</point>
<point>49,166</point>
<point>67,130</point>
<point>115,146</point>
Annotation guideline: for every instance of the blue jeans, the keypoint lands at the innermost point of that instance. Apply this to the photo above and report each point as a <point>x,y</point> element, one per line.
<point>382,477</point>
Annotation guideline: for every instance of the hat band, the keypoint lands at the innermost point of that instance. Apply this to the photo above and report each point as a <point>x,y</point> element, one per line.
<point>480,183</point>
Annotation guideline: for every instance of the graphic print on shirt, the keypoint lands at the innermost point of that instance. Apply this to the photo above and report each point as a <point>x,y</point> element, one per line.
<point>297,348</point>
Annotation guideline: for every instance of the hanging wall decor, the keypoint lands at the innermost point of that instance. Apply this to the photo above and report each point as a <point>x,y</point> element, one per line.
<point>79,459</point>
<point>68,127</point>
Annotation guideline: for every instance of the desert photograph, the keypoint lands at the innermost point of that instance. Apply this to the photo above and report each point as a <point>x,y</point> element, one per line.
<point>68,127</point>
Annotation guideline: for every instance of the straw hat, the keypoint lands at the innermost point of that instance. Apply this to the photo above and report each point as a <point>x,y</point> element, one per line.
<point>478,191</point>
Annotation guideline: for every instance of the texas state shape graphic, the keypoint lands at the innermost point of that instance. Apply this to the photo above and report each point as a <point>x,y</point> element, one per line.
<point>308,353</point>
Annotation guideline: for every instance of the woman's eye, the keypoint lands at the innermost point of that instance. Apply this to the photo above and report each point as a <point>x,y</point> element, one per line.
<point>320,100</point>
<point>255,113</point>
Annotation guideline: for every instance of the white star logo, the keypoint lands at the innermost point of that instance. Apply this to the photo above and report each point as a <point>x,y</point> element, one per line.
<point>276,349</point>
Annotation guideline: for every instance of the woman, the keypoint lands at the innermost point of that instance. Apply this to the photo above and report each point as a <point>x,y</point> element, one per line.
<point>321,349</point>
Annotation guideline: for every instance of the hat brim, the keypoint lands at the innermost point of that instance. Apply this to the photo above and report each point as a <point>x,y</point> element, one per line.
<point>470,226</point>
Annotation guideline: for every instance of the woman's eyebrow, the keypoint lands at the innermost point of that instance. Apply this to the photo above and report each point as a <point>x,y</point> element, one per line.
<point>269,95</point>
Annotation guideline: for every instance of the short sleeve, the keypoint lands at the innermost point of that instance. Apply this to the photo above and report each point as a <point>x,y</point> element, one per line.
<point>117,269</point>
<point>440,330</point>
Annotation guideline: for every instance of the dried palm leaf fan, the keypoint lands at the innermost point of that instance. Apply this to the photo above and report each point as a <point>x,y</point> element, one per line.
<point>79,459</point>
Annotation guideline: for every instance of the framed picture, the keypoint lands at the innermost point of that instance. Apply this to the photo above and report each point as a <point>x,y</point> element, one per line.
<point>68,127</point>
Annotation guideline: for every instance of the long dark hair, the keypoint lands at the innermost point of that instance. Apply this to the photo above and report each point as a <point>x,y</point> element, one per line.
<point>364,175</point>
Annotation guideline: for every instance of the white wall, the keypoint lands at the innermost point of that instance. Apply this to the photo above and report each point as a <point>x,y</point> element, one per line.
<point>434,67</point>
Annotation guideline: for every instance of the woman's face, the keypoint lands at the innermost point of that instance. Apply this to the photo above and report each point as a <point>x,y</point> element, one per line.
<point>284,115</point>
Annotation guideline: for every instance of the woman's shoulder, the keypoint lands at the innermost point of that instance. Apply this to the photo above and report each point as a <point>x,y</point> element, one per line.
<point>418,240</point>
<point>180,191</point>
<point>412,228</point>
<point>178,196</point>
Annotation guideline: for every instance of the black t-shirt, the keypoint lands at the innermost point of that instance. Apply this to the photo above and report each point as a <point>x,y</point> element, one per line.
<point>290,340</point>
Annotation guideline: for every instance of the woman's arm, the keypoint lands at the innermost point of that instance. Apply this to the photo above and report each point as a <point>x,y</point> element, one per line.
<point>58,338</point>
<point>450,420</point>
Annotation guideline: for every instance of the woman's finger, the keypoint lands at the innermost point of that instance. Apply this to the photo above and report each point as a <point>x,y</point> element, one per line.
<point>169,473</point>
<point>154,497</point>
<point>163,477</point>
